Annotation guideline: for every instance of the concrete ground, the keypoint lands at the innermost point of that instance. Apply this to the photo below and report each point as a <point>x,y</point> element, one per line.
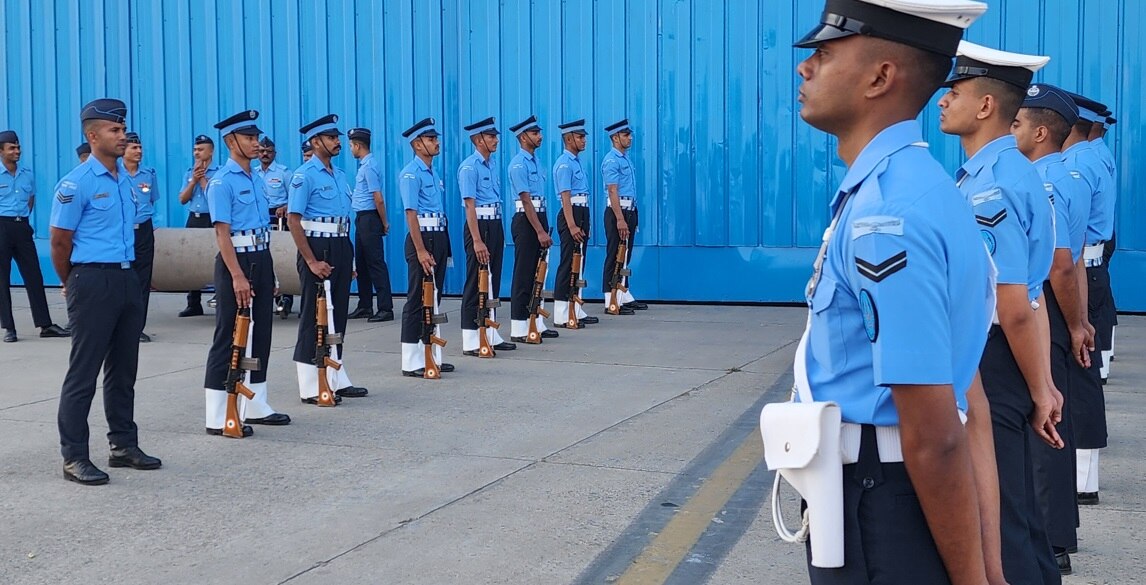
<point>559,463</point>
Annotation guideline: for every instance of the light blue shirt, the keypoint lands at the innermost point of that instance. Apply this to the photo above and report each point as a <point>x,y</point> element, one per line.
<point>477,180</point>
<point>317,192</point>
<point>99,209</point>
<point>145,184</point>
<point>568,175</point>
<point>198,202</point>
<point>275,180</point>
<point>1107,157</point>
<point>1013,210</point>
<point>16,191</point>
<point>421,191</point>
<point>525,176</point>
<point>1082,158</point>
<point>905,295</point>
<point>367,182</point>
<point>1071,202</point>
<point>617,169</point>
<point>237,198</point>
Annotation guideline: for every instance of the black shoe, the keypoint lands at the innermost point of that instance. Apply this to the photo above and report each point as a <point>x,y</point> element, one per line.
<point>10,336</point>
<point>505,346</point>
<point>54,330</point>
<point>84,472</point>
<point>624,310</point>
<point>549,334</point>
<point>1072,549</point>
<point>192,311</point>
<point>144,338</point>
<point>517,339</point>
<point>247,431</point>
<point>1103,381</point>
<point>381,316</point>
<point>589,320</point>
<point>133,457</point>
<point>314,400</point>
<point>287,303</point>
<point>1063,560</point>
<point>418,373</point>
<point>470,353</point>
<point>352,392</point>
<point>446,368</point>
<point>636,306</point>
<point>277,419</point>
<point>566,326</point>
<point>213,301</point>
<point>360,313</point>
<point>1087,498</point>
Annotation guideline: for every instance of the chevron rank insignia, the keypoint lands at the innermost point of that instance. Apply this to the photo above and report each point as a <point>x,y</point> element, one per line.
<point>993,220</point>
<point>64,199</point>
<point>878,272</point>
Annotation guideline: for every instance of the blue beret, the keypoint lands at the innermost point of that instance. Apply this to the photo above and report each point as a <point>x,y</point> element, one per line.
<point>84,148</point>
<point>306,147</point>
<point>133,138</point>
<point>9,137</point>
<point>266,142</point>
<point>109,109</point>
<point>204,139</point>
<point>1042,95</point>
<point>360,134</point>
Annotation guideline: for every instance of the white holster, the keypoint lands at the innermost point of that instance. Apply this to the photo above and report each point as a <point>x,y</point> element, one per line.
<point>802,445</point>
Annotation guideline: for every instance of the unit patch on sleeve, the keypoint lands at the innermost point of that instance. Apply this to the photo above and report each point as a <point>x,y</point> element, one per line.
<point>870,315</point>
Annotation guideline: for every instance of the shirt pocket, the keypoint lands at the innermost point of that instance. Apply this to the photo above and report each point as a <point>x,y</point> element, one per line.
<point>326,192</point>
<point>827,340</point>
<point>104,202</point>
<point>246,196</point>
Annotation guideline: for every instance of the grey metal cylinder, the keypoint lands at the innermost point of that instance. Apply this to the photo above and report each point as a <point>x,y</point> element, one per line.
<point>185,260</point>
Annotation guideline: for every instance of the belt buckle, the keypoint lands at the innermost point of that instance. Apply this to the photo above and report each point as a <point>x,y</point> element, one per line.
<point>124,265</point>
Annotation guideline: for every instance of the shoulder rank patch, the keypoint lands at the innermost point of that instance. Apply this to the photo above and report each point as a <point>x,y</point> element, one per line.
<point>877,224</point>
<point>878,272</point>
<point>870,315</point>
<point>993,220</point>
<point>986,196</point>
<point>64,199</point>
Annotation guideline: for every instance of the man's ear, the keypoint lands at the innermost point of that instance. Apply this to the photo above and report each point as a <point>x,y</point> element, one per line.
<point>885,77</point>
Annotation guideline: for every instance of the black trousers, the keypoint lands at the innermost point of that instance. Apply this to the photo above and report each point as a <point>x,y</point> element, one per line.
<point>144,261</point>
<point>1027,556</point>
<point>1100,306</point>
<point>438,245</point>
<point>886,538</point>
<point>493,234</point>
<point>613,241</point>
<point>526,251</point>
<point>259,268</point>
<point>106,313</point>
<point>16,244</point>
<point>562,286</point>
<point>340,255</point>
<point>370,253</point>
<point>195,298</point>
<point>1089,416</point>
<point>1054,469</point>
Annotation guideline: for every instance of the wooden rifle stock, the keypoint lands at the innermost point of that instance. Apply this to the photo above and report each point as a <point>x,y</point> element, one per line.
<point>576,283</point>
<point>240,364</point>
<point>431,371</point>
<point>536,299</point>
<point>617,283</point>
<point>323,342</point>
<point>485,350</point>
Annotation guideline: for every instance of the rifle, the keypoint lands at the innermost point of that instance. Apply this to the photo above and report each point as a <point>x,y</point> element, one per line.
<point>430,321</point>
<point>617,280</point>
<point>485,312</point>
<point>576,283</point>
<point>537,297</point>
<point>324,342</point>
<point>241,364</point>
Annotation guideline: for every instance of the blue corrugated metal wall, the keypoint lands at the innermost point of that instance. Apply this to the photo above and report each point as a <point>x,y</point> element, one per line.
<point>734,186</point>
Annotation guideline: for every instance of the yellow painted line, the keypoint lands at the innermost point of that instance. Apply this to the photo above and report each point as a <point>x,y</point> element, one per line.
<point>660,558</point>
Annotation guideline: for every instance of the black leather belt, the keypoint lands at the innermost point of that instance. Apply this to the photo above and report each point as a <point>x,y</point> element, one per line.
<point>104,265</point>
